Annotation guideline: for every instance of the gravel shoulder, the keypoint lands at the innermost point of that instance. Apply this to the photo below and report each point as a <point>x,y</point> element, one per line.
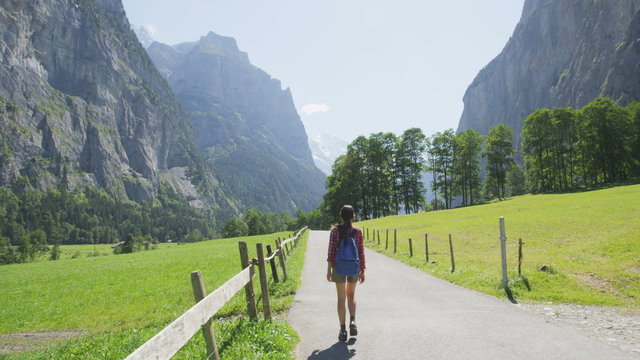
<point>617,327</point>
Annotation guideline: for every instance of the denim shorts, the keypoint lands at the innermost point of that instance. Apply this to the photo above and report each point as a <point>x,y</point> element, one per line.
<point>337,278</point>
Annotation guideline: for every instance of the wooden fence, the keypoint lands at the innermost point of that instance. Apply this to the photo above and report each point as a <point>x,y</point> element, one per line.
<point>173,337</point>
<point>375,238</point>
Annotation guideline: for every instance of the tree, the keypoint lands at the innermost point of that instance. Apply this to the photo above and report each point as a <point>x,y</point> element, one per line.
<point>440,150</point>
<point>516,180</point>
<point>363,178</point>
<point>499,155</point>
<point>536,135</point>
<point>409,166</point>
<point>603,139</point>
<point>255,222</point>
<point>379,175</point>
<point>129,246</point>
<point>7,253</point>
<point>563,140</point>
<point>55,252</point>
<point>634,136</point>
<point>235,228</point>
<point>437,204</point>
<point>467,147</point>
<point>194,236</point>
<point>25,249</point>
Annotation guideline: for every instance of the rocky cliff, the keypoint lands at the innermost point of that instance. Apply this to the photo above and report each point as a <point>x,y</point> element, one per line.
<point>83,104</point>
<point>244,122</point>
<point>562,53</point>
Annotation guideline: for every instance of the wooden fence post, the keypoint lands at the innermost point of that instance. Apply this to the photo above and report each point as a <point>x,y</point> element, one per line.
<point>386,242</point>
<point>248,289</point>
<point>264,285</point>
<point>503,255</point>
<point>453,263</point>
<point>281,259</point>
<point>207,331</point>
<point>426,247</point>
<point>410,248</point>
<point>279,246</point>
<point>272,262</point>
<point>367,233</point>
<point>395,240</point>
<point>520,257</point>
<point>378,237</point>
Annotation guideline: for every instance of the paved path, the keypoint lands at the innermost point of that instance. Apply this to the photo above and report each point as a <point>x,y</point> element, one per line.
<point>404,313</point>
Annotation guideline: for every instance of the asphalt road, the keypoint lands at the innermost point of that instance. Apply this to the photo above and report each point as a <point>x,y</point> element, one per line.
<point>404,313</point>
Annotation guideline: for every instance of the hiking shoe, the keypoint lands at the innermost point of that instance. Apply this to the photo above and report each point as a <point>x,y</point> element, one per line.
<point>353,329</point>
<point>343,335</point>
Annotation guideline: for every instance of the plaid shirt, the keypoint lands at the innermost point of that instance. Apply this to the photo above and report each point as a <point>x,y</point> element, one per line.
<point>333,246</point>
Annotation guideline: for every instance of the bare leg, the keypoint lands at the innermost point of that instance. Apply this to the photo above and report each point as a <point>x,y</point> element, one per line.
<point>340,287</point>
<point>351,297</point>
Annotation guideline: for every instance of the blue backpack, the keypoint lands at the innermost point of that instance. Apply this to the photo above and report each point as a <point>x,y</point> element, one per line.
<point>347,261</point>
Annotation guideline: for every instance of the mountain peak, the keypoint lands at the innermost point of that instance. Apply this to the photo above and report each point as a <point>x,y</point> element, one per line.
<point>219,45</point>
<point>143,35</point>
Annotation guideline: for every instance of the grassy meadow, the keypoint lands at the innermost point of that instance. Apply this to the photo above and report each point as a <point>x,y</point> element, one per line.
<point>121,301</point>
<point>589,242</point>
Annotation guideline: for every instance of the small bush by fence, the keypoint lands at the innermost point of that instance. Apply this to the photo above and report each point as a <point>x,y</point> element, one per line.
<point>169,340</point>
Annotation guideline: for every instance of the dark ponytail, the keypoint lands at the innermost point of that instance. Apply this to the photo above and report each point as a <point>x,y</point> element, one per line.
<point>347,215</point>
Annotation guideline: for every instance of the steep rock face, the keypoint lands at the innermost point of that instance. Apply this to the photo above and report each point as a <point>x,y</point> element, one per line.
<point>244,122</point>
<point>624,77</point>
<point>82,103</point>
<point>562,53</point>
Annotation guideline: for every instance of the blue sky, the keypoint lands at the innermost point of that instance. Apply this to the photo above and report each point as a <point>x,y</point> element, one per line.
<point>354,66</point>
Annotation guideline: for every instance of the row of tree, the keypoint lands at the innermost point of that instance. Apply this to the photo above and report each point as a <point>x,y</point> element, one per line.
<point>565,149</point>
<point>562,149</point>
<point>32,219</point>
<point>255,222</point>
<point>379,175</point>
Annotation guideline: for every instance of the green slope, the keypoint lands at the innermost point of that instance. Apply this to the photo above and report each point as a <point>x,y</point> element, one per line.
<point>123,300</point>
<point>590,241</point>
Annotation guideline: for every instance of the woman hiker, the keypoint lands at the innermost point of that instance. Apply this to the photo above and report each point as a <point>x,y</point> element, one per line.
<point>346,285</point>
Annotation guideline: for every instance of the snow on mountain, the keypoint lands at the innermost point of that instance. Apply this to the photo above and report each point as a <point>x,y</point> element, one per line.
<point>325,150</point>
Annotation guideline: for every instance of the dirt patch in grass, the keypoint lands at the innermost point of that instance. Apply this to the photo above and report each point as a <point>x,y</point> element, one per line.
<point>599,284</point>
<point>17,342</point>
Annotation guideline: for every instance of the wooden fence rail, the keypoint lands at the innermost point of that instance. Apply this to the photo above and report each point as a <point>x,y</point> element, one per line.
<point>173,337</point>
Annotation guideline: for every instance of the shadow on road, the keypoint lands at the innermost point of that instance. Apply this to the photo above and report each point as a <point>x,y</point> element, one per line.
<point>337,351</point>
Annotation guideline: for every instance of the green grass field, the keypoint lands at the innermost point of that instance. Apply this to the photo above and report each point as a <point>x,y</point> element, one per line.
<point>122,301</point>
<point>590,241</point>
<point>77,251</point>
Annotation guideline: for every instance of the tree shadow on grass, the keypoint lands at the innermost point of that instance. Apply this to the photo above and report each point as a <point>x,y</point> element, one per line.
<point>337,351</point>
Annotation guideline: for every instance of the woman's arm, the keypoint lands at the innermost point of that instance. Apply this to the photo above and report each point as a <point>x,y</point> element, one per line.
<point>361,257</point>
<point>360,245</point>
<point>331,251</point>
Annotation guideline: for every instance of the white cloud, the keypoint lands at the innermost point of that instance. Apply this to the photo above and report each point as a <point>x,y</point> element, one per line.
<point>311,109</point>
<point>152,30</point>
